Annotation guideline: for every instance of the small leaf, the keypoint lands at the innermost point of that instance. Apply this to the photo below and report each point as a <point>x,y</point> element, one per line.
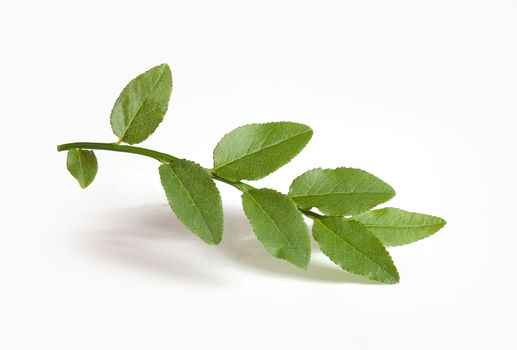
<point>142,104</point>
<point>341,191</point>
<point>82,165</point>
<point>254,151</point>
<point>278,225</point>
<point>194,198</point>
<point>398,227</point>
<point>351,246</point>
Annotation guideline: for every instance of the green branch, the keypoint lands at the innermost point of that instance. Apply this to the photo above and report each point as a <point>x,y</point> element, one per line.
<point>161,157</point>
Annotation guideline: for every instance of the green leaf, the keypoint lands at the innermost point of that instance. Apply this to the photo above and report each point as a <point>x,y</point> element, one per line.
<point>82,165</point>
<point>142,104</point>
<point>341,191</point>
<point>278,225</point>
<point>194,198</point>
<point>398,227</point>
<point>351,246</point>
<point>253,151</point>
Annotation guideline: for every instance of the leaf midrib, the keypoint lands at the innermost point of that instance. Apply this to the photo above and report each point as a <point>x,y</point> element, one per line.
<point>81,166</point>
<point>83,181</point>
<point>260,150</point>
<point>353,247</point>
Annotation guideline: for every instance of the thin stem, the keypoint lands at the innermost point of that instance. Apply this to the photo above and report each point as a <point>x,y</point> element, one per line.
<point>164,158</point>
<point>241,186</point>
<point>310,214</point>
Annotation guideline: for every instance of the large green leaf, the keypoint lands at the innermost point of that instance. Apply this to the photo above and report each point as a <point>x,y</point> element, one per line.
<point>341,191</point>
<point>253,151</point>
<point>194,198</point>
<point>397,227</point>
<point>82,165</point>
<point>142,104</point>
<point>278,225</point>
<point>350,245</point>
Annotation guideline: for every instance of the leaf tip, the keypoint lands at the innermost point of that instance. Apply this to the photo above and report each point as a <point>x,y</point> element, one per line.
<point>393,281</point>
<point>391,278</point>
<point>305,265</point>
<point>303,262</point>
<point>216,240</point>
<point>165,67</point>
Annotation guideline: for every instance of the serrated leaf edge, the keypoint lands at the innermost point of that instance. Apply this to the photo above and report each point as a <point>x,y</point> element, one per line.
<point>440,225</point>
<point>397,277</point>
<point>338,168</point>
<point>121,138</point>
<point>214,241</point>
<point>393,192</point>
<point>310,131</point>
<point>285,239</point>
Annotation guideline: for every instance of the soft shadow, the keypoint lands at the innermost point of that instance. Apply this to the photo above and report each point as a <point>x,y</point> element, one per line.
<point>241,245</point>
<point>151,238</point>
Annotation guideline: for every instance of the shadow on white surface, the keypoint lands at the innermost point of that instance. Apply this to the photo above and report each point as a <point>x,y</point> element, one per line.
<point>151,238</point>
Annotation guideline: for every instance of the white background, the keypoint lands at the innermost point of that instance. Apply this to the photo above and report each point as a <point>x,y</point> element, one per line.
<point>421,94</point>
